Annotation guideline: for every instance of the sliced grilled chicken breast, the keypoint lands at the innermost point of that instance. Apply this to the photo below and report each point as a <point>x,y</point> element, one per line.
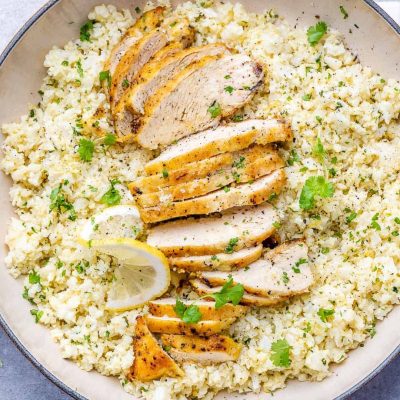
<point>148,21</point>
<point>198,169</point>
<point>242,195</point>
<point>132,62</point>
<point>217,262</point>
<point>284,271</point>
<point>177,327</point>
<point>197,98</point>
<point>224,139</point>
<point>248,299</point>
<point>165,308</point>
<point>155,74</point>
<point>204,350</point>
<point>238,173</point>
<point>151,361</point>
<point>215,234</point>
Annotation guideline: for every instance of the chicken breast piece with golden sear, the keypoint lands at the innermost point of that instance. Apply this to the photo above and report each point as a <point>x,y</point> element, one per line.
<point>151,361</point>
<point>178,327</point>
<point>283,271</point>
<point>203,350</point>
<point>217,262</point>
<point>165,308</point>
<point>223,139</point>
<point>229,232</point>
<point>197,99</point>
<point>241,195</point>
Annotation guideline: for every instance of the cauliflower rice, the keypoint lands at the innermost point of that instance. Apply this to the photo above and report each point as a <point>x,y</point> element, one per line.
<point>353,237</point>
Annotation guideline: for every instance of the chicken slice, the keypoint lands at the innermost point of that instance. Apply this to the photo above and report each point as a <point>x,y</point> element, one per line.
<point>197,169</point>
<point>245,194</point>
<point>204,350</point>
<point>165,308</point>
<point>132,62</point>
<point>151,361</point>
<point>238,173</point>
<point>196,99</point>
<point>224,139</point>
<point>156,73</point>
<point>217,262</point>
<point>177,327</point>
<point>148,21</point>
<point>248,299</point>
<point>246,227</point>
<point>284,271</point>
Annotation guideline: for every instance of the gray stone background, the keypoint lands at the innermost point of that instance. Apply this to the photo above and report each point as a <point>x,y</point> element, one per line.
<point>20,380</point>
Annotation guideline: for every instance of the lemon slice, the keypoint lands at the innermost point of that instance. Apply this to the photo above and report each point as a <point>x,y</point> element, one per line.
<point>114,222</point>
<point>142,274</point>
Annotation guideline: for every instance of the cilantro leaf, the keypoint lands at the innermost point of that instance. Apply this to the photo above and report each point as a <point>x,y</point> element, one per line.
<point>324,313</point>
<point>85,31</point>
<point>280,356</point>
<point>37,314</point>
<point>105,76</point>
<point>228,293</point>
<point>112,196</point>
<point>230,248</point>
<point>313,187</point>
<point>34,277</point>
<point>294,157</point>
<point>59,203</point>
<point>229,89</point>
<point>79,68</point>
<point>374,222</point>
<point>214,110</point>
<point>351,217</point>
<point>188,314</point>
<point>315,33</point>
<point>86,149</point>
<point>110,139</point>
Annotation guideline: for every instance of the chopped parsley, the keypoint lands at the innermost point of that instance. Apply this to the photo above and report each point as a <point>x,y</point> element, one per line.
<point>276,225</point>
<point>82,266</point>
<point>86,150</point>
<point>280,356</point>
<point>307,97</point>
<point>105,76</point>
<point>237,118</point>
<point>344,12</point>
<point>374,222</point>
<point>65,63</point>
<point>351,217</point>
<point>37,314</point>
<point>79,68</point>
<point>229,89</point>
<point>316,32</point>
<point>397,220</point>
<point>239,163</point>
<point>293,158</point>
<point>34,277</point>
<point>230,248</point>
<point>285,278</point>
<point>60,204</point>
<point>125,83</point>
<point>85,31</point>
<point>112,196</point>
<point>165,173</point>
<point>214,110</point>
<point>324,313</point>
<point>110,139</point>
<point>315,186</point>
<point>299,262</point>
<point>319,150</point>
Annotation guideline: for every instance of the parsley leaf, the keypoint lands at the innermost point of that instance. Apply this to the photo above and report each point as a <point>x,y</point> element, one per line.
<point>294,157</point>
<point>319,150</point>
<point>79,68</point>
<point>313,187</point>
<point>307,97</point>
<point>125,83</point>
<point>59,203</point>
<point>344,12</point>
<point>86,149</point>
<point>214,110</point>
<point>230,248</point>
<point>237,118</point>
<point>374,222</point>
<point>34,277</point>
<point>299,262</point>
<point>229,89</point>
<point>110,139</point>
<point>228,293</point>
<point>105,76</point>
<point>37,314</point>
<point>112,196</point>
<point>165,173</point>
<point>85,31</point>
<point>280,356</point>
<point>325,313</point>
<point>239,163</point>
<point>188,314</point>
<point>351,217</point>
<point>315,33</point>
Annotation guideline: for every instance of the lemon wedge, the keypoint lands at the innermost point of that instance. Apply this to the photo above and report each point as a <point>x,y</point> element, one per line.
<point>114,222</point>
<point>142,274</point>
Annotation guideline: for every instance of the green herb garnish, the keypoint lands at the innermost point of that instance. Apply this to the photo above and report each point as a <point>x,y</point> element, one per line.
<point>324,313</point>
<point>280,356</point>
<point>315,186</point>
<point>315,33</point>
<point>214,110</point>
<point>86,150</point>
<point>85,31</point>
<point>112,196</point>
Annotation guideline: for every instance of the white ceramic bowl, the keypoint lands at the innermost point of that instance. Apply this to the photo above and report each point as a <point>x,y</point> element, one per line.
<point>376,41</point>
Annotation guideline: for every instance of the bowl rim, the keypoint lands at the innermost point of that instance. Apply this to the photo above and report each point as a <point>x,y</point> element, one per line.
<point>21,347</point>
